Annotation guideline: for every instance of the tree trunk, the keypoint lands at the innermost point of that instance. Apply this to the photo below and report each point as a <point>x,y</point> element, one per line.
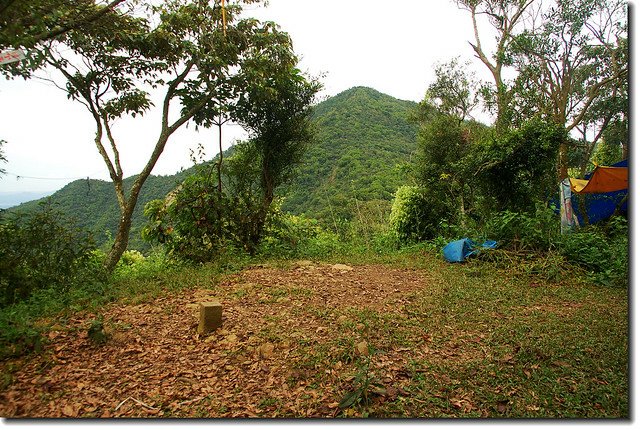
<point>260,216</point>
<point>563,161</point>
<point>124,226</point>
<point>122,238</point>
<point>220,162</point>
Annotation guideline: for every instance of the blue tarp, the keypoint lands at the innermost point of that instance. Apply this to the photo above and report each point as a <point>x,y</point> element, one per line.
<point>458,251</point>
<point>599,206</point>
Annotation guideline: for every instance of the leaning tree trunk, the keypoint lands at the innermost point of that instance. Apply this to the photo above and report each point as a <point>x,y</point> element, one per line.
<point>121,240</point>
<point>124,226</point>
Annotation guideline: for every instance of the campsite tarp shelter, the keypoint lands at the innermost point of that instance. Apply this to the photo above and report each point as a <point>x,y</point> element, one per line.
<point>595,198</point>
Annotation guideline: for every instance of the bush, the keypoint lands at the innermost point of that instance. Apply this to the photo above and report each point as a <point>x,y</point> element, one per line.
<point>601,249</point>
<point>416,214</point>
<point>294,236</point>
<point>199,220</point>
<point>532,231</point>
<point>38,251</point>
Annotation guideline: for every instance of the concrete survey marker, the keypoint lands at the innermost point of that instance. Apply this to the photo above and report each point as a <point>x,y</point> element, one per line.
<point>210,317</point>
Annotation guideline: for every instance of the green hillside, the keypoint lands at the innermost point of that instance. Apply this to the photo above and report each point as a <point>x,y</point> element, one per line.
<point>92,203</point>
<point>363,140</point>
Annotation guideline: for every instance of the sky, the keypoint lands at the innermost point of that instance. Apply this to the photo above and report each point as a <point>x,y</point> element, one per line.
<point>389,46</point>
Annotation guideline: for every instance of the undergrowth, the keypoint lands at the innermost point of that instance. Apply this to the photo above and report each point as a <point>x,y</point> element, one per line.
<point>529,245</point>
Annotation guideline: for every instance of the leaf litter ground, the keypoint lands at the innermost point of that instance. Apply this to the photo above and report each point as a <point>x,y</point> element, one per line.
<point>295,342</point>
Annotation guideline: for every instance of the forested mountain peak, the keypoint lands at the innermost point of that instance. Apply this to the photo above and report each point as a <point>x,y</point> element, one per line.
<point>365,105</point>
<point>364,138</point>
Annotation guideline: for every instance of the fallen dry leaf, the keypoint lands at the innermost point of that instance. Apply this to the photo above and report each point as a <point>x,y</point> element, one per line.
<point>362,348</point>
<point>266,350</point>
<point>159,360</point>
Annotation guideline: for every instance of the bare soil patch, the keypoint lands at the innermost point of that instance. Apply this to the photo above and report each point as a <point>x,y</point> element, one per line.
<point>291,344</point>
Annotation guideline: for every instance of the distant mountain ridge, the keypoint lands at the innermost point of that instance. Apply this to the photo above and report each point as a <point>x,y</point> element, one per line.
<point>363,140</point>
<point>93,205</point>
<point>9,199</point>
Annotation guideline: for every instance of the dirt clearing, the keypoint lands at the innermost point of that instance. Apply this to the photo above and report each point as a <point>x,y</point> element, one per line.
<point>289,346</point>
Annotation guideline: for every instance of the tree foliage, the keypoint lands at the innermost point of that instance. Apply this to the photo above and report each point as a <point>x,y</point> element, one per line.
<point>517,169</point>
<point>573,69</point>
<point>32,24</point>
<point>569,61</point>
<point>447,161</point>
<point>203,217</point>
<point>455,91</point>
<point>277,112</point>
<point>189,50</point>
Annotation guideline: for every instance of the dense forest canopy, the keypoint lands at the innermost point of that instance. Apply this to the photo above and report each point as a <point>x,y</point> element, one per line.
<point>364,142</point>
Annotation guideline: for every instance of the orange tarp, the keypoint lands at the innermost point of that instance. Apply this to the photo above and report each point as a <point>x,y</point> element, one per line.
<point>603,180</point>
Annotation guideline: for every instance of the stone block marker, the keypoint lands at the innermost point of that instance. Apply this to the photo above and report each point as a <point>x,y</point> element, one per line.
<point>210,317</point>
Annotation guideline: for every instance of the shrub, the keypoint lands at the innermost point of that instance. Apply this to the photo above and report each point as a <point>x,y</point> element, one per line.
<point>296,236</point>
<point>601,249</point>
<point>533,231</point>
<point>201,220</point>
<point>40,250</point>
<point>416,214</point>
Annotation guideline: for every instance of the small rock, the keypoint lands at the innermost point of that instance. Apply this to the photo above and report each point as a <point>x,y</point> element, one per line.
<point>342,267</point>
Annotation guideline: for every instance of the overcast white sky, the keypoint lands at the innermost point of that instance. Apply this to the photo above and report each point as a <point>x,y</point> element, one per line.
<point>391,46</point>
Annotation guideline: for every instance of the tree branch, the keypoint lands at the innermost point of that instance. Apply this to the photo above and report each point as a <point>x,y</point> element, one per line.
<point>77,24</point>
<point>592,94</point>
